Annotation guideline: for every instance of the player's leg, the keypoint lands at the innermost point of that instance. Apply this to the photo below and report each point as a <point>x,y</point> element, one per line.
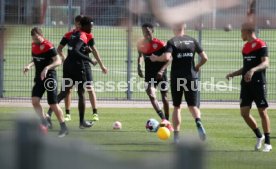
<point>176,116</point>
<point>67,102</point>
<point>266,128</point>
<point>53,103</point>
<point>163,86</point>
<point>191,97</point>
<point>37,93</point>
<point>151,92</point>
<point>91,93</point>
<point>81,107</point>
<point>93,102</point>
<point>261,102</point>
<point>246,99</point>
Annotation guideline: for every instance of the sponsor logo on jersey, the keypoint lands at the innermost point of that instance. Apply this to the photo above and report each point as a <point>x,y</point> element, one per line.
<point>38,59</point>
<point>249,58</point>
<point>154,46</point>
<point>183,55</point>
<point>41,47</point>
<point>253,45</point>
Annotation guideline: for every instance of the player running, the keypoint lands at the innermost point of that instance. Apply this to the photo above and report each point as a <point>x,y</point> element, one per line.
<point>184,76</point>
<point>253,84</point>
<point>154,74</point>
<point>45,60</point>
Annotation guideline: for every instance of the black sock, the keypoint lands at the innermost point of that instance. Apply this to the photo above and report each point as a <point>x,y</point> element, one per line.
<point>50,112</point>
<point>63,125</point>
<point>161,114</point>
<point>44,122</point>
<point>258,133</point>
<point>167,116</point>
<point>197,120</point>
<point>67,111</point>
<point>267,138</point>
<point>95,111</point>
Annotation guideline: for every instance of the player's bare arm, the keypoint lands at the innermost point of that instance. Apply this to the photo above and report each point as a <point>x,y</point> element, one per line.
<point>203,60</point>
<point>59,51</point>
<point>56,62</point>
<point>28,67</point>
<point>98,58</point>
<point>263,65</point>
<point>163,58</point>
<point>162,70</point>
<point>233,74</point>
<point>139,61</point>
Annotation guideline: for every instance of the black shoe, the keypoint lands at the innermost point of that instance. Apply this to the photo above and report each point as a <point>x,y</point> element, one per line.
<point>63,132</point>
<point>86,124</point>
<point>49,125</point>
<point>201,131</point>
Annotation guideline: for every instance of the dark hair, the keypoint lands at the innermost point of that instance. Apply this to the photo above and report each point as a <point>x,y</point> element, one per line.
<point>36,30</point>
<point>248,26</point>
<point>86,20</point>
<point>78,18</point>
<point>148,25</point>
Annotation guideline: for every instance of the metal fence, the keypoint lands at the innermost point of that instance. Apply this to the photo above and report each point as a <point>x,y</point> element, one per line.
<point>116,31</point>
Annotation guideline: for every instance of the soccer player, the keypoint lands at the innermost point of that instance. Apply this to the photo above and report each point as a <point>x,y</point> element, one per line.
<point>184,76</point>
<point>62,44</point>
<point>253,84</point>
<point>90,47</point>
<point>154,74</point>
<point>45,60</point>
<point>74,67</point>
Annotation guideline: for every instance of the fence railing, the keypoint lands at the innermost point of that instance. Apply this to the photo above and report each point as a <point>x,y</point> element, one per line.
<point>116,32</point>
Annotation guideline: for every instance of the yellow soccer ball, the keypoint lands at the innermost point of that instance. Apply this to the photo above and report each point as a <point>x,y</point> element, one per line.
<point>163,133</point>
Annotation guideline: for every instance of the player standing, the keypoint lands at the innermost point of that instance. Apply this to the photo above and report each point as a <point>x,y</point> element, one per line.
<point>89,47</point>
<point>62,44</point>
<point>154,74</point>
<point>45,59</point>
<point>184,76</point>
<point>253,84</point>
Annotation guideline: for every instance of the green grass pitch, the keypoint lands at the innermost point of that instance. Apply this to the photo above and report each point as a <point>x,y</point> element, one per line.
<point>230,141</point>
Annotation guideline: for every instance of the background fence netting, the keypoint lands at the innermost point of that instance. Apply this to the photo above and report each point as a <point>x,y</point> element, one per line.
<point>116,31</point>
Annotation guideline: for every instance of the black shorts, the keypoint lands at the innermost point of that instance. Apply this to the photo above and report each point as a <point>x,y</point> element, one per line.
<point>190,90</point>
<point>49,84</point>
<point>162,84</point>
<point>253,92</point>
<point>73,74</point>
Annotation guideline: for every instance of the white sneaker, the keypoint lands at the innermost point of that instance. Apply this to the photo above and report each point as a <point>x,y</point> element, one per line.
<point>267,148</point>
<point>259,143</point>
<point>67,117</point>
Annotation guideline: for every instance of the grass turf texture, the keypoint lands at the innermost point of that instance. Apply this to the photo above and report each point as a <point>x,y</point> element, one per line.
<point>230,141</point>
<point>223,49</point>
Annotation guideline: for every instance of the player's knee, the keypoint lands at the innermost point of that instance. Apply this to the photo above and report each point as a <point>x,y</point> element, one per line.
<point>244,114</point>
<point>151,96</point>
<point>35,102</point>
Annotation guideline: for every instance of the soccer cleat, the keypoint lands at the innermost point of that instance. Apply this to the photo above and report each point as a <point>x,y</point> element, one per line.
<point>67,117</point>
<point>95,117</point>
<point>259,143</point>
<point>86,124</point>
<point>63,132</point>
<point>201,131</point>
<point>49,121</point>
<point>267,148</point>
<point>167,124</point>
